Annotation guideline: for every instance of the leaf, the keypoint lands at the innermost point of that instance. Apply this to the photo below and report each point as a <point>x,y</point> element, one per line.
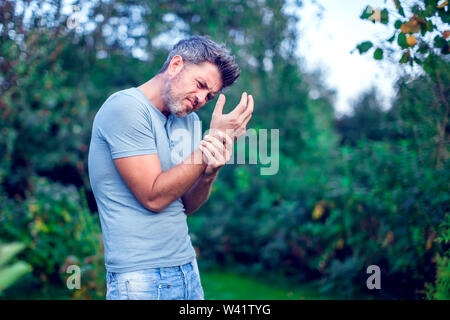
<point>405,57</point>
<point>402,40</point>
<point>399,8</point>
<point>444,15</point>
<point>429,11</point>
<point>364,46</point>
<point>367,12</point>
<point>378,54</point>
<point>10,274</point>
<point>411,41</point>
<point>8,251</point>
<point>391,39</point>
<point>418,61</point>
<point>398,24</point>
<point>318,211</point>
<point>439,42</point>
<point>423,48</point>
<point>413,25</point>
<point>384,16</point>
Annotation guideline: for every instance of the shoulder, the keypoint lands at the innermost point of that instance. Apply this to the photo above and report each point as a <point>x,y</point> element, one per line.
<point>123,111</point>
<point>125,98</point>
<point>123,105</point>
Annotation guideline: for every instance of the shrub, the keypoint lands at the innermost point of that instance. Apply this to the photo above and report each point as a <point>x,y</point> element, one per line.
<point>58,230</point>
<point>441,288</point>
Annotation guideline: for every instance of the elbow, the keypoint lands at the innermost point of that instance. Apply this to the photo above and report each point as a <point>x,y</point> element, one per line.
<point>155,206</point>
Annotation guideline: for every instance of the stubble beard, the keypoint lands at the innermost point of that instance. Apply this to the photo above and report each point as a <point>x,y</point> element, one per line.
<point>173,103</point>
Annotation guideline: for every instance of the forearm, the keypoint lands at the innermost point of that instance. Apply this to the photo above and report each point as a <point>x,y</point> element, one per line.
<point>198,194</point>
<point>175,182</point>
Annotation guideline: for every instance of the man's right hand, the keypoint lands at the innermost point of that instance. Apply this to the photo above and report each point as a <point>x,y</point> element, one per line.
<point>217,151</point>
<point>234,123</point>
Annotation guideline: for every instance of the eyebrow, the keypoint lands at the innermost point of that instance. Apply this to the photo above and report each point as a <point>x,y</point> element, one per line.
<point>205,84</point>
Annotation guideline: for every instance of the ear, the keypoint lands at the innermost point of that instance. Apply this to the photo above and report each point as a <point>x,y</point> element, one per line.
<point>175,65</point>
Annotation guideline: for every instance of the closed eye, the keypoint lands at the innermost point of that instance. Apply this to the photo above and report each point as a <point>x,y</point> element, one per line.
<point>201,85</point>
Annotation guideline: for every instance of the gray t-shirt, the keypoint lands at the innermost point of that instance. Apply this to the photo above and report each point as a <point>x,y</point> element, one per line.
<point>135,238</point>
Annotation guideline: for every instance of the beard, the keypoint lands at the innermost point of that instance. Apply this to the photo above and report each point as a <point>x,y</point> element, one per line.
<point>172,101</point>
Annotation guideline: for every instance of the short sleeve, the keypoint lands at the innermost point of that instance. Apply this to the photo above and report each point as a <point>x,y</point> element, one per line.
<point>126,126</point>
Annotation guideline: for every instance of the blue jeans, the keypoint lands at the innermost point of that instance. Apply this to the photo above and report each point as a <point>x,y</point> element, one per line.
<point>166,283</point>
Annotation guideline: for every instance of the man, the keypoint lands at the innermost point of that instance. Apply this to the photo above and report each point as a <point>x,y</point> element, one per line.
<point>143,194</point>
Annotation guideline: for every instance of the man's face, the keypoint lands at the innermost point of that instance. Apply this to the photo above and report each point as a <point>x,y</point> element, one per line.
<point>191,88</point>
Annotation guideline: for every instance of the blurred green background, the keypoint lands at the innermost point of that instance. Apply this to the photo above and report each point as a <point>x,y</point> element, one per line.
<point>371,188</point>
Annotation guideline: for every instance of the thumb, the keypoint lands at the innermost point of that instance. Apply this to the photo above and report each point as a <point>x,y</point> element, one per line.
<point>219,104</point>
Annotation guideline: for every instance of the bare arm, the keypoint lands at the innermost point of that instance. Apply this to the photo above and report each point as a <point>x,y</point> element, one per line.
<point>198,194</point>
<point>152,187</point>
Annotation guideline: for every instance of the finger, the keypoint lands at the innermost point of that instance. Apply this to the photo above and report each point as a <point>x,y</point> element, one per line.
<point>243,128</point>
<point>242,106</point>
<point>248,111</point>
<point>218,152</point>
<point>218,110</point>
<point>215,133</point>
<point>216,141</point>
<point>222,136</point>
<point>228,142</point>
<point>209,159</point>
<point>228,149</point>
<point>216,148</point>
<point>222,142</point>
<point>246,120</point>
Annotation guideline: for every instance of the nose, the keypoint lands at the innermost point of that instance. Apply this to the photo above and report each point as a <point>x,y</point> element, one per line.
<point>201,98</point>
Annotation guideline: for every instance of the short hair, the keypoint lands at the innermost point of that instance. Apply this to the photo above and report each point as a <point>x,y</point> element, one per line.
<point>200,49</point>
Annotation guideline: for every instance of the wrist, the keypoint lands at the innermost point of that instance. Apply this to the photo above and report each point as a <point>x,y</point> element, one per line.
<point>209,177</point>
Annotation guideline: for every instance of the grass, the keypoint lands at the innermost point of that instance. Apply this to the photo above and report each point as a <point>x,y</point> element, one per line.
<point>223,285</point>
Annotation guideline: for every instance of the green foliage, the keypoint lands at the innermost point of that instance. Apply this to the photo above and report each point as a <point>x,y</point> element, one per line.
<point>420,118</point>
<point>367,13</point>
<point>9,274</point>
<point>413,30</point>
<point>58,230</point>
<point>364,46</point>
<point>378,54</point>
<point>441,288</point>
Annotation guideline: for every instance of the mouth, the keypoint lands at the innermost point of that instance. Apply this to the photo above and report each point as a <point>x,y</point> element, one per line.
<point>192,106</point>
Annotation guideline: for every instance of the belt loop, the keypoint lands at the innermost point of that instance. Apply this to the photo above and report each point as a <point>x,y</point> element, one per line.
<point>109,277</point>
<point>186,293</point>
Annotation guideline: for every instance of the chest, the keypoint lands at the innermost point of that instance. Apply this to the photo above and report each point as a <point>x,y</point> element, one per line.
<point>175,140</point>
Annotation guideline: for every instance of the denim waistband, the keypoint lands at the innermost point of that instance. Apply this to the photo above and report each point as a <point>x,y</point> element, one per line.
<point>162,271</point>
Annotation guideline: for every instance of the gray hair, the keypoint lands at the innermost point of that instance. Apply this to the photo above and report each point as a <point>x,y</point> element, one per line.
<point>200,49</point>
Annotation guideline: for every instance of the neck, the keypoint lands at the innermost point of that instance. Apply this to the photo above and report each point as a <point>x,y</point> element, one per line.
<point>153,89</point>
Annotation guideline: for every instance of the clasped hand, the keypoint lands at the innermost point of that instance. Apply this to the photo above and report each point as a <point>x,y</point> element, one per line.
<point>217,146</point>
